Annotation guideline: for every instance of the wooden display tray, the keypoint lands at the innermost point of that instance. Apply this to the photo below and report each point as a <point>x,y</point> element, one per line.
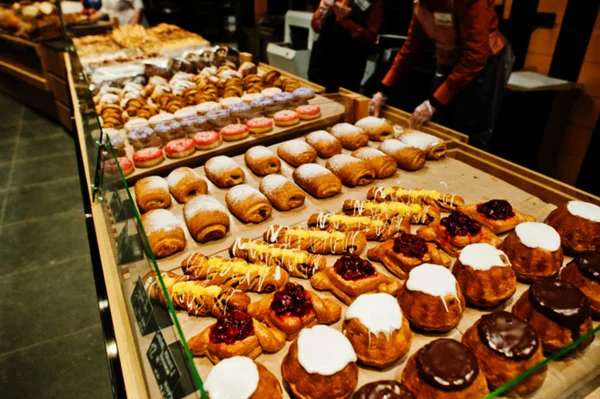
<point>466,172</point>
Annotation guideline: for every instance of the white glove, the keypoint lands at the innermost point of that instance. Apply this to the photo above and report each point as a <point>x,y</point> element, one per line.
<point>421,114</point>
<point>376,103</point>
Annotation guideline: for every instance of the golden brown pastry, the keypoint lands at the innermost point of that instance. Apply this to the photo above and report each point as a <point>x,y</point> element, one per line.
<point>296,152</point>
<point>584,273</point>
<point>324,143</point>
<point>292,308</point>
<point>297,262</point>
<point>448,202</point>
<point>352,276</point>
<point>378,129</point>
<point>224,172</point>
<point>444,369</point>
<point>235,273</point>
<point>351,171</point>
<point>206,219</point>
<point>406,251</point>
<point>317,180</point>
<point>241,377</point>
<point>434,147</point>
<point>407,157</point>
<point>164,233</point>
<point>497,215</point>
<point>262,161</point>
<point>485,275</point>
<point>350,136</point>
<point>320,364</point>
<point>578,224</point>
<point>152,192</point>
<point>236,334</point>
<point>384,165</point>
<point>534,251</point>
<point>316,241</point>
<point>185,184</point>
<point>456,231</point>
<point>282,193</point>
<point>431,298</point>
<point>375,327</point>
<point>195,297</point>
<point>248,204</point>
<point>558,312</point>
<point>506,347</point>
<point>375,228</point>
<point>417,214</point>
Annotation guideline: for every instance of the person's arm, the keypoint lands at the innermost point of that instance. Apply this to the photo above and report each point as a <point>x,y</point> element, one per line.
<point>138,5</point>
<point>368,34</point>
<point>474,21</point>
<point>97,15</point>
<point>316,22</point>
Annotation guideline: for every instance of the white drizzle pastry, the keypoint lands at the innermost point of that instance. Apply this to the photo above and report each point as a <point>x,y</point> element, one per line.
<point>323,350</point>
<point>434,280</point>
<point>538,235</point>
<point>233,378</point>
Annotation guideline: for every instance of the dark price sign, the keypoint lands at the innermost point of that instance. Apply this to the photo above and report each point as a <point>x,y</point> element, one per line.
<point>129,247</point>
<point>163,366</point>
<point>121,210</point>
<point>143,309</point>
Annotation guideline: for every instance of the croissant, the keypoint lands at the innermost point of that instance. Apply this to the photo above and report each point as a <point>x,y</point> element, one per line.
<point>296,152</point>
<point>378,129</point>
<point>316,241</point>
<point>350,136</point>
<point>234,272</point>
<point>152,192</point>
<point>497,215</point>
<point>351,171</point>
<point>407,157</point>
<point>384,165</point>
<point>375,228</point>
<point>434,147</point>
<point>206,219</point>
<point>185,184</point>
<point>282,193</point>
<point>248,204</point>
<point>195,297</point>
<point>324,143</point>
<point>423,197</point>
<point>418,214</point>
<point>262,161</point>
<point>317,180</point>
<point>297,262</point>
<point>165,236</point>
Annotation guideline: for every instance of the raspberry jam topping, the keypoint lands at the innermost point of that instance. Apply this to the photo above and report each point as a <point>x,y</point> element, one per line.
<point>496,209</point>
<point>459,224</point>
<point>236,326</point>
<point>410,245</point>
<point>353,267</point>
<point>292,300</point>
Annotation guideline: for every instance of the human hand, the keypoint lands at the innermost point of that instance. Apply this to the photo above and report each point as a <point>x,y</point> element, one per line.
<point>421,114</point>
<point>376,103</point>
<point>325,4</point>
<point>341,11</point>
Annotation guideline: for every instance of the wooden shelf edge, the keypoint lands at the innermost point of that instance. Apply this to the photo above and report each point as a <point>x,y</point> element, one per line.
<point>28,76</point>
<point>18,40</point>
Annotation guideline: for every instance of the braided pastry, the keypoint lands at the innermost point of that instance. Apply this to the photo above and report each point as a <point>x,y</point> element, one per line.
<point>422,197</point>
<point>418,214</point>
<point>375,228</point>
<point>317,241</point>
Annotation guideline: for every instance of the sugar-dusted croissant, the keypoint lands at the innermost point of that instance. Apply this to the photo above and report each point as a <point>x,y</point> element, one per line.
<point>296,152</point>
<point>282,193</point>
<point>234,272</point>
<point>152,192</point>
<point>224,171</point>
<point>384,165</point>
<point>497,215</point>
<point>434,147</point>
<point>378,129</point>
<point>195,297</point>
<point>185,184</point>
<point>262,161</point>
<point>317,241</point>
<point>248,204</point>
<point>407,157</point>
<point>292,308</point>
<point>164,233</point>
<point>206,219</point>
<point>375,228</point>
<point>317,180</point>
<point>424,197</point>
<point>236,334</point>
<point>350,136</point>
<point>297,262</point>
<point>324,143</point>
<point>418,214</point>
<point>351,171</point>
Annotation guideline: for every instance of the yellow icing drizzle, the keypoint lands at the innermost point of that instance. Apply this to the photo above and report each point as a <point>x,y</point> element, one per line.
<point>396,207</point>
<point>296,256</point>
<point>322,235</point>
<point>401,192</point>
<point>196,290</point>
<point>363,220</point>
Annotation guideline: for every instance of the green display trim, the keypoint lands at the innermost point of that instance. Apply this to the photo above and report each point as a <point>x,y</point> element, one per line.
<point>504,388</point>
<point>188,353</point>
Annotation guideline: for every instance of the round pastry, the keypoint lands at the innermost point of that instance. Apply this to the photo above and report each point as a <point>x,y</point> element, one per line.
<point>558,311</point>
<point>240,377</point>
<point>306,93</point>
<point>148,157</point>
<point>260,125</point>
<point>506,347</point>
<point>219,118</point>
<point>194,124</point>
<point>235,132</point>
<point>241,111</point>
<point>136,122</point>
<point>286,118</point>
<point>180,148</point>
<point>226,102</point>
<point>207,140</point>
<point>249,97</point>
<point>207,106</point>
<point>308,112</point>
<point>143,137</point>
<point>263,105</point>
<point>431,298</point>
<point>444,369</point>
<point>271,91</point>
<point>110,166</point>
<point>185,112</point>
<point>584,273</point>
<point>534,251</point>
<point>578,224</point>
<point>376,329</point>
<point>484,275</point>
<point>384,389</point>
<point>283,100</point>
<point>377,128</point>
<point>160,118</point>
<point>320,364</point>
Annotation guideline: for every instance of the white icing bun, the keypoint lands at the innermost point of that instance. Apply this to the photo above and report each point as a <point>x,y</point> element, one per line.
<point>420,140</point>
<point>584,210</point>
<point>206,106</point>
<point>232,378</point>
<point>377,312</point>
<point>185,112</point>
<point>432,279</point>
<point>538,235</point>
<point>482,257</point>
<point>324,351</point>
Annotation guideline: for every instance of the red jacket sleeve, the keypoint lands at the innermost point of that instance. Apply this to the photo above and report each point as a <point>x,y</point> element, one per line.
<point>315,22</point>
<point>366,35</point>
<point>474,21</point>
<point>413,45</point>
